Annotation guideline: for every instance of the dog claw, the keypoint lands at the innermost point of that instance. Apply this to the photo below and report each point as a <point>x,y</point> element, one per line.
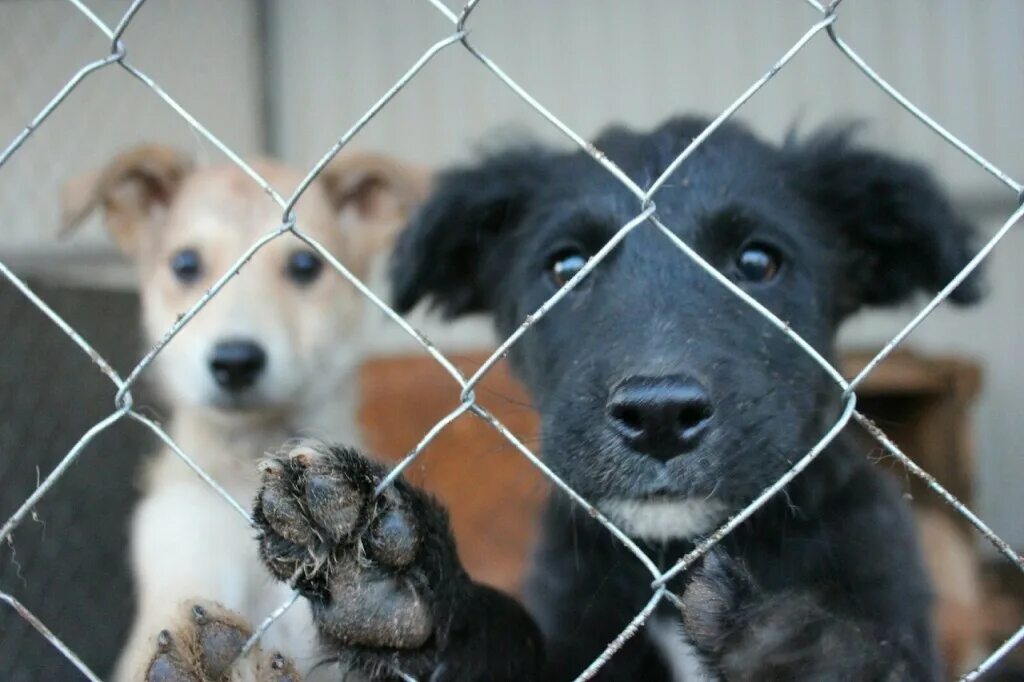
<point>303,456</point>
<point>281,670</point>
<point>164,640</point>
<point>167,665</point>
<point>270,467</point>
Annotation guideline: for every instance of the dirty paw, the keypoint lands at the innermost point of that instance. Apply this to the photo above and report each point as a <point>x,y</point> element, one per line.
<point>370,565</point>
<point>206,646</point>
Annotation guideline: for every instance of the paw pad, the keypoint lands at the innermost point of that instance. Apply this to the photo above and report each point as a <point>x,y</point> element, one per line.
<point>354,553</point>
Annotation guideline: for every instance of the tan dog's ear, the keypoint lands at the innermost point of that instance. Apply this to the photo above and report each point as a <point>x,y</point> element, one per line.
<point>130,189</point>
<point>381,192</point>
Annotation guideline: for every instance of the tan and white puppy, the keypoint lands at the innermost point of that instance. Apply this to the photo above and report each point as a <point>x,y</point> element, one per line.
<point>271,357</point>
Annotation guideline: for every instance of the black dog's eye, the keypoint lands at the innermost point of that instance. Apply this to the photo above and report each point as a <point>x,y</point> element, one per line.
<point>304,267</point>
<point>758,263</point>
<point>186,265</point>
<point>565,265</point>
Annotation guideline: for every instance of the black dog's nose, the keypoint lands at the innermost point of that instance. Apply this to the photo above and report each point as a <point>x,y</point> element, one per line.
<point>237,364</point>
<point>660,416</point>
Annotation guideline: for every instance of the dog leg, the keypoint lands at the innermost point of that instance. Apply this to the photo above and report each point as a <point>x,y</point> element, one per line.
<point>381,572</point>
<point>185,542</point>
<point>747,635</point>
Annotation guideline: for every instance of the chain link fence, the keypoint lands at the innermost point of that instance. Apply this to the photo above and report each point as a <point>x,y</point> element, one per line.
<point>123,403</point>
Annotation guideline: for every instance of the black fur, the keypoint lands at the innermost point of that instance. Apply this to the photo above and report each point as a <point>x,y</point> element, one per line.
<point>825,582</point>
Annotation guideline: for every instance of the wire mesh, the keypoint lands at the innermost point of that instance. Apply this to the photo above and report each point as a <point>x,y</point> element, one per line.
<point>646,213</point>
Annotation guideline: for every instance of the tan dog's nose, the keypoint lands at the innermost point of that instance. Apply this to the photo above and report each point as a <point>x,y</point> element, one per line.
<point>237,364</point>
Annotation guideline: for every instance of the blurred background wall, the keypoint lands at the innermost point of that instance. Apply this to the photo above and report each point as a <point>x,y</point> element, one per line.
<point>289,76</point>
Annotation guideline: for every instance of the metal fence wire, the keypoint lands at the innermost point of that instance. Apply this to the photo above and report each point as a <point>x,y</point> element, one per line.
<point>646,213</point>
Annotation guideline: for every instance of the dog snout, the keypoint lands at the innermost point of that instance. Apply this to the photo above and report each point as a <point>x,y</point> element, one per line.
<point>237,364</point>
<point>661,417</point>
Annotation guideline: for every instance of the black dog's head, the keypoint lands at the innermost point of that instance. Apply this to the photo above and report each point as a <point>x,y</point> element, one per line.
<point>665,398</point>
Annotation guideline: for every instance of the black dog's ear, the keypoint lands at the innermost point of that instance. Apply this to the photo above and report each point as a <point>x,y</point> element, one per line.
<point>901,233</point>
<point>441,253</point>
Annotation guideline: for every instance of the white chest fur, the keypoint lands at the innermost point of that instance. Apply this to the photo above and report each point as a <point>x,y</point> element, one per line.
<point>661,520</point>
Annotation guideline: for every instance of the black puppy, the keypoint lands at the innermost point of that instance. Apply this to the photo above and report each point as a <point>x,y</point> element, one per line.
<point>668,403</point>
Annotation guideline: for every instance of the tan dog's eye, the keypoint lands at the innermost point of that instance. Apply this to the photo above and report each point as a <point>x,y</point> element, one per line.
<point>304,267</point>
<point>187,265</point>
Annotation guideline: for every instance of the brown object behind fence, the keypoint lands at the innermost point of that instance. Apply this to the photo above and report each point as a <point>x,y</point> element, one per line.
<point>493,493</point>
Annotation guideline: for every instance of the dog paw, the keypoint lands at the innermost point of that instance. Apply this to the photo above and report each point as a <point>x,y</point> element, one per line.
<point>717,589</point>
<point>748,635</point>
<point>206,646</point>
<point>374,568</point>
